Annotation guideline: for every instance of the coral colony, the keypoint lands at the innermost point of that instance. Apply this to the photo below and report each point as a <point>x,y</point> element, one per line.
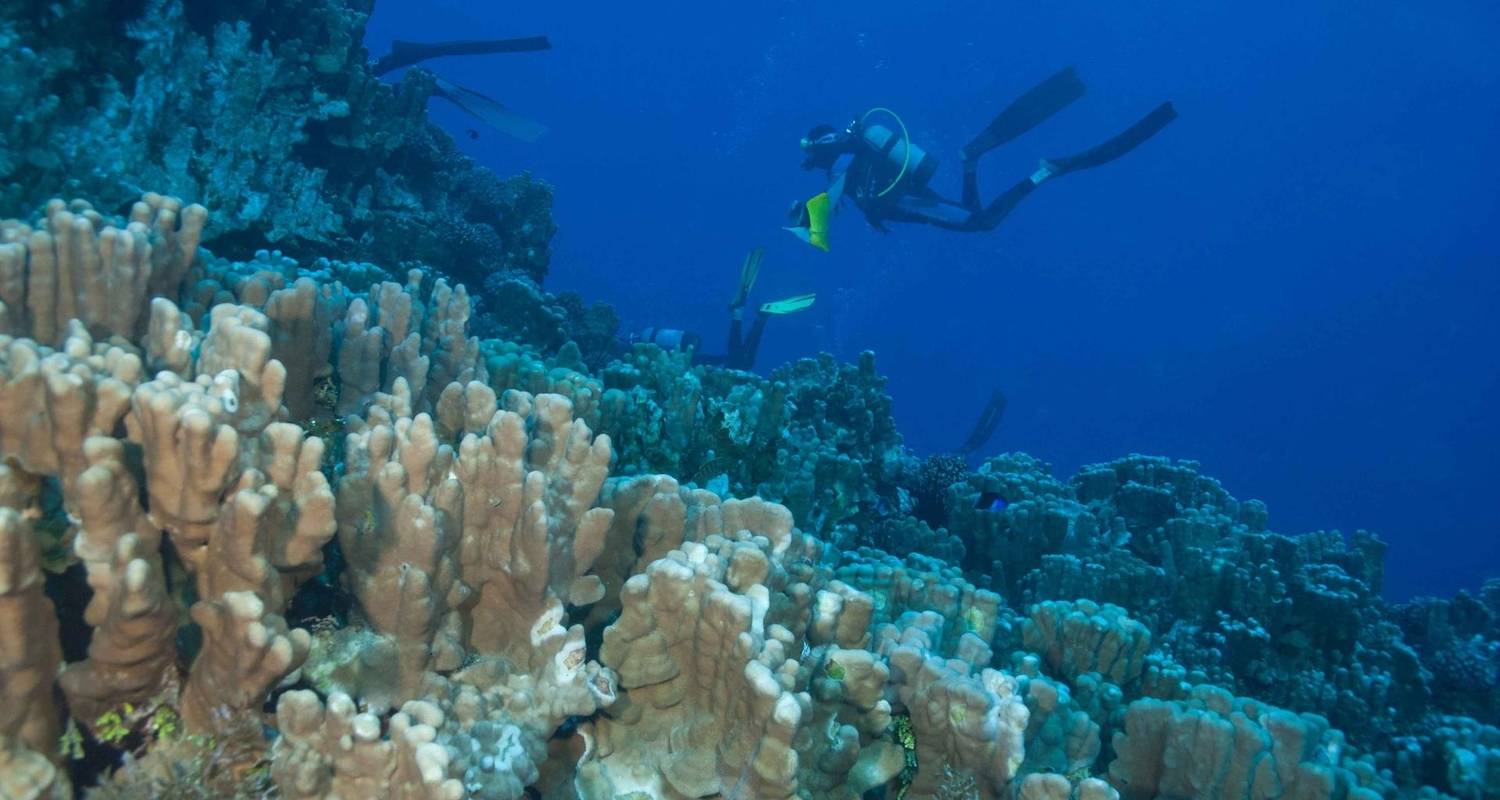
<point>286,510</point>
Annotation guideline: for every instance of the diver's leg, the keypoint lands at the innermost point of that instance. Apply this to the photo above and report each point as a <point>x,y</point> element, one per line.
<point>736,338</point>
<point>1127,140</point>
<point>929,209</point>
<point>1026,112</point>
<point>970,198</point>
<point>991,215</point>
<point>752,342</point>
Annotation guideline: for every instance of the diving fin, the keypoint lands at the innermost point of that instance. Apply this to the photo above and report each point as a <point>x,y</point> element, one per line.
<point>405,54</point>
<point>814,229</point>
<point>1127,140</point>
<point>790,305</point>
<point>749,271</point>
<point>1027,111</point>
<point>490,111</point>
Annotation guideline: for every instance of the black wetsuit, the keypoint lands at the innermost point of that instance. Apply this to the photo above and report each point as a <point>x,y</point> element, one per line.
<point>866,176</point>
<point>742,348</point>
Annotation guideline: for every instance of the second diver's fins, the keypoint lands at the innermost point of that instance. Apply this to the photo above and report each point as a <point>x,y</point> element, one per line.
<point>1108,151</point>
<point>814,219</point>
<point>790,305</point>
<point>490,111</point>
<point>749,271</point>
<point>405,54</point>
<point>1027,111</point>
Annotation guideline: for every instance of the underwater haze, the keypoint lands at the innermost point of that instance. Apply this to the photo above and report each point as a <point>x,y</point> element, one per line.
<point>1295,283</point>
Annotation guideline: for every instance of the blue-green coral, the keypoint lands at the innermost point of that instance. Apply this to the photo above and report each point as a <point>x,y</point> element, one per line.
<point>267,114</point>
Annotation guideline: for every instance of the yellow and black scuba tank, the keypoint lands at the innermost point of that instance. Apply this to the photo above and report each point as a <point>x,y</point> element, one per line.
<point>900,156</point>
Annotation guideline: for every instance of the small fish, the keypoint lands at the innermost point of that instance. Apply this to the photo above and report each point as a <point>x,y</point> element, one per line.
<point>991,501</point>
<point>473,134</point>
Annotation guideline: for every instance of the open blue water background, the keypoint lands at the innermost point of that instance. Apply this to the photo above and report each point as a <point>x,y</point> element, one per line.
<point>1296,283</point>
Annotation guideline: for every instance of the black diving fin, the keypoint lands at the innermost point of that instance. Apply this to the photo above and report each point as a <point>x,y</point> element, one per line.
<point>1028,111</point>
<point>1127,140</point>
<point>405,54</point>
<point>490,111</point>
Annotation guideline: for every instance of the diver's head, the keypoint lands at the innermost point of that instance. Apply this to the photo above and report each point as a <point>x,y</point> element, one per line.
<point>822,147</point>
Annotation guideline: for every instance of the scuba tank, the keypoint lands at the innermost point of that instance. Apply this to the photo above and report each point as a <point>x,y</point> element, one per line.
<point>896,151</point>
<point>671,339</point>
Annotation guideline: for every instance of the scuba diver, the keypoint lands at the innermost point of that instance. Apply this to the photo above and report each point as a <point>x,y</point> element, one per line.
<point>886,175</point>
<point>742,348</point>
<point>482,107</point>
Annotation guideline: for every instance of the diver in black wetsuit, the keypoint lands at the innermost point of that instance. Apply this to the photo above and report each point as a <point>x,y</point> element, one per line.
<point>741,351</point>
<point>742,348</point>
<point>887,175</point>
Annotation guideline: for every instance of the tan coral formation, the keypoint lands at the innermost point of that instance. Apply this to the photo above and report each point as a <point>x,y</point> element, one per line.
<point>29,720</point>
<point>1216,746</point>
<point>79,266</point>
<point>392,336</point>
<point>487,549</point>
<point>334,751</point>
<point>703,709</point>
<point>240,495</point>
<point>1082,637</point>
<point>715,698</point>
<point>52,401</point>
<point>459,550</point>
<point>531,528</point>
<point>973,724</point>
<point>471,523</point>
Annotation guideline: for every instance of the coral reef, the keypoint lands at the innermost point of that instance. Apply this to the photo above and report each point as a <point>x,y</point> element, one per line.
<point>300,526</point>
<point>266,112</point>
<point>519,620</point>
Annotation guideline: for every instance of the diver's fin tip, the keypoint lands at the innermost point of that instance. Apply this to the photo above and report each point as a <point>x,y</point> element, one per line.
<point>789,305</point>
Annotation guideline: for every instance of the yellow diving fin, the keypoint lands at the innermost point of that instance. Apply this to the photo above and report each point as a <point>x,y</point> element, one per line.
<point>790,305</point>
<point>818,209</point>
<point>813,216</point>
<point>749,271</point>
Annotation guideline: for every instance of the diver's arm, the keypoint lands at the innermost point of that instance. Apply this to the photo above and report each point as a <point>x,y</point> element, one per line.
<point>838,175</point>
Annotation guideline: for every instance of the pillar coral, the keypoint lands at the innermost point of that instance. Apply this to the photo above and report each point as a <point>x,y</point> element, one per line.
<point>78,266</point>
<point>1215,746</point>
<point>705,707</point>
<point>29,720</point>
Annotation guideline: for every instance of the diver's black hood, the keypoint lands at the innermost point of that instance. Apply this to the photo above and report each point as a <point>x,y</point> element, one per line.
<point>819,157</point>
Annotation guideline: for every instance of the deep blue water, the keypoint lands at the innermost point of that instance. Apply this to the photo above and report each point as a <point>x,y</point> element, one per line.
<point>1295,283</point>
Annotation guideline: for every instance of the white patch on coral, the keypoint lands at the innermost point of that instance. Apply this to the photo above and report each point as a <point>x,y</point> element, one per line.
<point>226,389</point>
